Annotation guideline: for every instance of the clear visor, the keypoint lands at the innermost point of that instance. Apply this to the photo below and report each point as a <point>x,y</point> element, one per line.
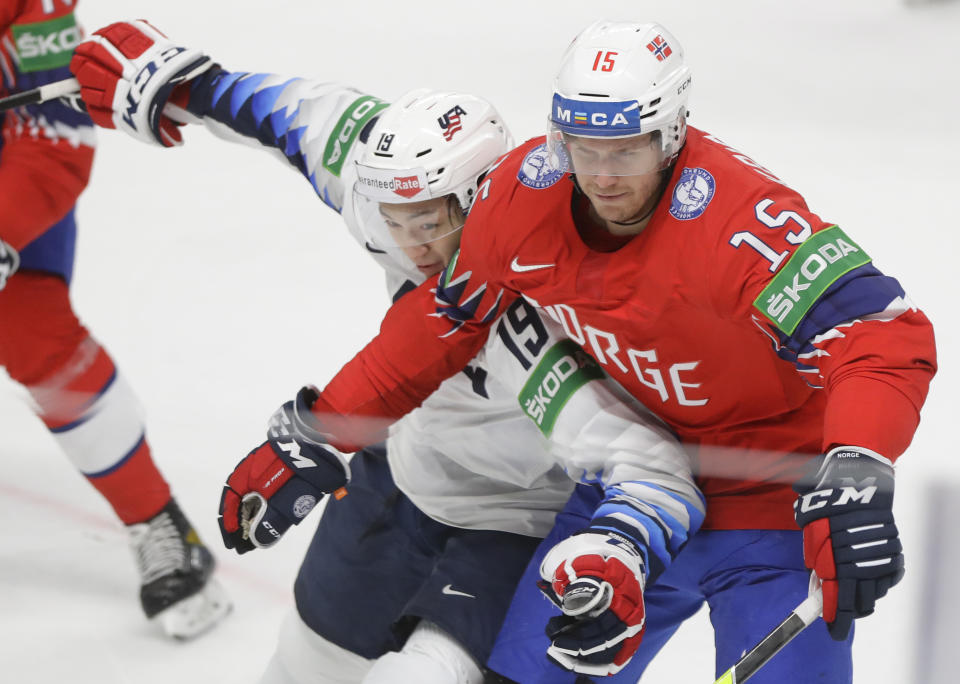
<point>390,226</point>
<point>396,209</point>
<point>633,155</point>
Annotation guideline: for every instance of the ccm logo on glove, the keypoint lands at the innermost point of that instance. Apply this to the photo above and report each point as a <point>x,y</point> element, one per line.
<point>841,496</point>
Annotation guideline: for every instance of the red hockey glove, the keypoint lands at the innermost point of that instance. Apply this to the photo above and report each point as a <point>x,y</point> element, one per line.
<point>280,481</point>
<point>849,538</point>
<point>596,578</point>
<point>9,262</point>
<point>127,72</point>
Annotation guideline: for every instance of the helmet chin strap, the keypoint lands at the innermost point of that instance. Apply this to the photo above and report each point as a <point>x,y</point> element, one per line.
<point>638,220</point>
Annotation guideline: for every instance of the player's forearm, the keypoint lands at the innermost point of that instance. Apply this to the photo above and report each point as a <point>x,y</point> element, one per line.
<point>870,413</point>
<point>649,490</point>
<point>238,101</point>
<point>661,521</point>
<point>877,383</point>
<point>312,123</point>
<point>394,373</point>
<point>601,433</point>
<point>648,486</point>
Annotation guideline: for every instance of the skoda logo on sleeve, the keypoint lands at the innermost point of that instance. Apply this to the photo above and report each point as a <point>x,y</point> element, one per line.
<point>538,171</point>
<point>692,194</point>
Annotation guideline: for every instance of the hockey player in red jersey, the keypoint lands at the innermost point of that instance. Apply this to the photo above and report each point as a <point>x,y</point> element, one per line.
<point>762,334</point>
<point>45,157</point>
<point>464,489</point>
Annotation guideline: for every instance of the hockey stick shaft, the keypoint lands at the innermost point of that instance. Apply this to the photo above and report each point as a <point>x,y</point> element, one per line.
<point>68,86</point>
<point>798,620</point>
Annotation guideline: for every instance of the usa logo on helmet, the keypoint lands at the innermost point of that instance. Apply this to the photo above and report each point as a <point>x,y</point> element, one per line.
<point>450,122</point>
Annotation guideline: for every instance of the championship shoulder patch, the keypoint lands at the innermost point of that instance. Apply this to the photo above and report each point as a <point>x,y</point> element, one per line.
<point>816,264</point>
<point>537,171</point>
<point>347,129</point>
<point>46,44</point>
<point>563,370</point>
<point>692,193</point>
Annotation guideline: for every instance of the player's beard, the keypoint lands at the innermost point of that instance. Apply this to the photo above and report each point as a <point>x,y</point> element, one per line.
<point>638,195</point>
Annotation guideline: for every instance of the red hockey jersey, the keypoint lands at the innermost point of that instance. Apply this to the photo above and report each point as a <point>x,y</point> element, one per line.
<point>760,333</point>
<point>47,150</point>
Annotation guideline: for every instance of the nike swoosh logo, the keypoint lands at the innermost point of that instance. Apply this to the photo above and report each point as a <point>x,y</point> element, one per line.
<point>450,591</point>
<point>517,267</point>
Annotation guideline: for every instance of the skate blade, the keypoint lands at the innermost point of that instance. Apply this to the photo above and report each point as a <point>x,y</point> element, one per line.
<point>196,614</point>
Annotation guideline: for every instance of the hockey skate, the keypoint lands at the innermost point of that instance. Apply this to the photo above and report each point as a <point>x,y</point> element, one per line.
<point>176,586</point>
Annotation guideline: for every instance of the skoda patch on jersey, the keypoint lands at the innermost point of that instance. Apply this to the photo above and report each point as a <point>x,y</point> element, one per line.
<point>692,194</point>
<point>46,44</point>
<point>538,172</point>
<point>347,129</point>
<point>563,370</point>
<point>823,258</point>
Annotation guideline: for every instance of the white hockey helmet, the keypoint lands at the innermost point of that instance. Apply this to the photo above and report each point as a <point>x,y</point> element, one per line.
<point>427,145</point>
<point>618,80</point>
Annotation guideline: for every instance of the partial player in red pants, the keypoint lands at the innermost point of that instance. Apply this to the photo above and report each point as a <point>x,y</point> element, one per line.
<point>45,158</point>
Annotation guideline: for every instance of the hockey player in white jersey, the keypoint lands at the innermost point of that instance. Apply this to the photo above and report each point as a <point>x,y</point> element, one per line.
<point>414,562</point>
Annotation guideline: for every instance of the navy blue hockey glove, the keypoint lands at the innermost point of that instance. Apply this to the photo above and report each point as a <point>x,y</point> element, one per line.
<point>9,262</point>
<point>849,537</point>
<point>277,484</point>
<point>596,578</point>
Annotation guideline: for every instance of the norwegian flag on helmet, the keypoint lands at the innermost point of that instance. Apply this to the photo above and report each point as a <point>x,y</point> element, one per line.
<point>660,48</point>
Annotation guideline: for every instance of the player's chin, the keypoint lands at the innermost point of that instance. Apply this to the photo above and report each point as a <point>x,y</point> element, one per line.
<point>619,212</point>
<point>609,204</point>
<point>430,270</point>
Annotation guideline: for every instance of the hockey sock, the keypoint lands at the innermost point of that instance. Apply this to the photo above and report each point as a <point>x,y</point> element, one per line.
<point>103,436</point>
<point>79,395</point>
